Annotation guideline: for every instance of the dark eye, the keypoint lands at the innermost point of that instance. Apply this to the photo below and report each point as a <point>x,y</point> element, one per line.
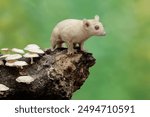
<point>96,27</point>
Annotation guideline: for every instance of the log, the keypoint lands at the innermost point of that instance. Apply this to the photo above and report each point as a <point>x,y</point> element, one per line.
<point>56,74</point>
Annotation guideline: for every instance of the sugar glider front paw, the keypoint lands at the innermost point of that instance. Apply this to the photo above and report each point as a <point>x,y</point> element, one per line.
<point>71,52</point>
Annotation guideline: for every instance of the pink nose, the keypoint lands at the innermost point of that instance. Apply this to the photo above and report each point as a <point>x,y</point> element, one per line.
<point>104,33</point>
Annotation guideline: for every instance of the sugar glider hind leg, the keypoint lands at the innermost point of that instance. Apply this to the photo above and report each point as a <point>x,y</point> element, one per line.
<point>55,39</point>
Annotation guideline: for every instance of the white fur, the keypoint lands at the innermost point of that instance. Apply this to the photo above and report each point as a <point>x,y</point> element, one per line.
<point>73,31</point>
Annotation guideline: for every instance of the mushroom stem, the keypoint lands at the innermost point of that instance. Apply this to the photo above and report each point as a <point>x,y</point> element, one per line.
<point>31,60</point>
<point>1,62</point>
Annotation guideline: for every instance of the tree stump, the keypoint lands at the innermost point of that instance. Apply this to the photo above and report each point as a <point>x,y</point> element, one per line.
<point>56,76</point>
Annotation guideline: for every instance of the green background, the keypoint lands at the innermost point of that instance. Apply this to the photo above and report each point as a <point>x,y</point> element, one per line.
<point>122,69</point>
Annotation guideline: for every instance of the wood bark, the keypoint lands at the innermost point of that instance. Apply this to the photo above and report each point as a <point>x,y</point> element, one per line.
<point>57,76</point>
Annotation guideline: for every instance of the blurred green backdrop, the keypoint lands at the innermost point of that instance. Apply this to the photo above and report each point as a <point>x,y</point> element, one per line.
<point>122,69</point>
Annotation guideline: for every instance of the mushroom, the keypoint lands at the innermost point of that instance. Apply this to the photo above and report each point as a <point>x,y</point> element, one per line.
<point>20,64</point>
<point>17,50</point>
<point>11,59</point>
<point>25,79</point>
<point>33,48</point>
<point>31,55</point>
<point>38,51</point>
<point>4,56</point>
<point>33,51</point>
<point>10,64</point>
<point>30,46</point>
<point>3,88</point>
<point>5,50</point>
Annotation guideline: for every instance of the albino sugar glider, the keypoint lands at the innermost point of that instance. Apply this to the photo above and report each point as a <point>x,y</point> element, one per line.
<point>73,31</point>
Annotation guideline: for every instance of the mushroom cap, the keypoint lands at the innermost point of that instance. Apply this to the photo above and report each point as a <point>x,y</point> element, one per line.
<point>10,64</point>
<point>31,46</point>
<point>30,55</point>
<point>38,51</point>
<point>4,56</point>
<point>17,50</point>
<point>3,87</point>
<point>20,63</point>
<point>13,57</point>
<point>25,79</point>
<point>4,49</point>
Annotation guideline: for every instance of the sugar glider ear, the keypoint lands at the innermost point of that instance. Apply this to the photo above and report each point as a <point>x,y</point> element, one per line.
<point>97,18</point>
<point>86,23</point>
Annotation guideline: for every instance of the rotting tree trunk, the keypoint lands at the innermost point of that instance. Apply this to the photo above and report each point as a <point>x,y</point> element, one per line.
<point>57,75</point>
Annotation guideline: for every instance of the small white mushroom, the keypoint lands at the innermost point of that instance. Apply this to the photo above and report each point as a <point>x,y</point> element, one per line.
<point>4,56</point>
<point>38,51</point>
<point>10,64</point>
<point>5,50</point>
<point>25,79</point>
<point>3,88</point>
<point>20,64</point>
<point>31,46</point>
<point>33,51</point>
<point>31,55</point>
<point>17,50</point>
<point>11,59</point>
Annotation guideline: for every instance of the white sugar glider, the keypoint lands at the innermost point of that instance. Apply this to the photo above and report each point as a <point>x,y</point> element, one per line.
<point>73,31</point>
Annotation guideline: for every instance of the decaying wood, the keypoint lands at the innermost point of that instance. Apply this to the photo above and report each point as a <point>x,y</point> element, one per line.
<point>57,76</point>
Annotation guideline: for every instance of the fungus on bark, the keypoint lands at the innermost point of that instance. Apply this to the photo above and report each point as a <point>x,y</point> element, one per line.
<point>56,75</point>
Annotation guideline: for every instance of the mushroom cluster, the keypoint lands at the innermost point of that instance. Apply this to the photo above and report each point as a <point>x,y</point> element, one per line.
<point>33,51</point>
<point>12,56</point>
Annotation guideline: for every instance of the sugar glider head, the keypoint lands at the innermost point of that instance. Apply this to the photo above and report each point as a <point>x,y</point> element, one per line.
<point>94,26</point>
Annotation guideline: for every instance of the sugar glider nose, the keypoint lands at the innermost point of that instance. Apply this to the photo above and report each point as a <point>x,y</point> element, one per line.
<point>104,33</point>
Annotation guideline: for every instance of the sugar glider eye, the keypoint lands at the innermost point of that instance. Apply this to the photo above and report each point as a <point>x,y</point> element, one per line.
<point>96,27</point>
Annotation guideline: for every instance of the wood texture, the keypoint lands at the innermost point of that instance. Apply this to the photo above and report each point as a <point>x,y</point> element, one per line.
<point>57,76</point>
